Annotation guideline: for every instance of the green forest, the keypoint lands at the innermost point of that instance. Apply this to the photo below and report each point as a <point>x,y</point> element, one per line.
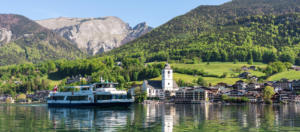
<point>254,38</point>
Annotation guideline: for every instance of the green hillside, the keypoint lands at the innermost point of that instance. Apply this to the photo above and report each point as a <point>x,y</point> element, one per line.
<point>218,68</point>
<point>243,30</point>
<point>31,42</point>
<point>291,75</point>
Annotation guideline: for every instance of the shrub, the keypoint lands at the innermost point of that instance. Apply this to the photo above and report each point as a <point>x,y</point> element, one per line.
<point>21,97</point>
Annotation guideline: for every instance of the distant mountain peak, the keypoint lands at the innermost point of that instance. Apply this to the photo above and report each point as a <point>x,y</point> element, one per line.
<point>95,35</point>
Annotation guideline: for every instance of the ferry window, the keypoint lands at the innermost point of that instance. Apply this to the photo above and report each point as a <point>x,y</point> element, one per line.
<point>85,89</point>
<point>117,97</point>
<point>57,97</point>
<point>129,95</point>
<point>77,98</point>
<point>103,97</point>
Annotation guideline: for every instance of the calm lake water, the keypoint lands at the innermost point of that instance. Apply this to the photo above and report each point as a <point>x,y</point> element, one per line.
<point>152,118</point>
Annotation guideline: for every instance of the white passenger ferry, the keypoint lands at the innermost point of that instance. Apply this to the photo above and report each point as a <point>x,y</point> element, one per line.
<point>102,94</point>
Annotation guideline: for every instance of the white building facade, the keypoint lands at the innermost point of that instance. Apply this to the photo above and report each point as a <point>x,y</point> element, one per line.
<point>158,89</point>
<point>167,78</point>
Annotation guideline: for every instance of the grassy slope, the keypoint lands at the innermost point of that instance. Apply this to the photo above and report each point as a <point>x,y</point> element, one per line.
<point>291,75</point>
<point>211,80</point>
<point>218,68</point>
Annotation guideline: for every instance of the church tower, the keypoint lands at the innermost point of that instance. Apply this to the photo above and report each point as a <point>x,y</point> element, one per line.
<point>167,78</point>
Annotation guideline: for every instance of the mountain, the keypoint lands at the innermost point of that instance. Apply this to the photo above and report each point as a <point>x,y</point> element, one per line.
<point>237,30</point>
<point>95,35</point>
<point>23,40</point>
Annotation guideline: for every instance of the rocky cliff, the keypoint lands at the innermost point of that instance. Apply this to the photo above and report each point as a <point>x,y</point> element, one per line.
<point>95,35</point>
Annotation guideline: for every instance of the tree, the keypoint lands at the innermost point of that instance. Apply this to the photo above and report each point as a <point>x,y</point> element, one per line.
<point>51,66</point>
<point>250,61</point>
<point>268,93</point>
<point>201,82</point>
<point>235,61</point>
<point>297,61</point>
<point>181,83</point>
<point>224,75</point>
<point>287,57</point>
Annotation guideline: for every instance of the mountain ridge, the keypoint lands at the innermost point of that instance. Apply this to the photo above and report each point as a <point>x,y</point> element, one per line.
<point>23,40</point>
<point>95,35</point>
<point>180,37</point>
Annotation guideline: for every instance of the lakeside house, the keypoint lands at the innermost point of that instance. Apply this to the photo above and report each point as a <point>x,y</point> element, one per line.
<point>296,68</point>
<point>6,98</point>
<point>78,78</point>
<point>296,85</point>
<point>240,85</point>
<point>39,96</point>
<point>245,75</point>
<point>191,95</point>
<point>283,84</point>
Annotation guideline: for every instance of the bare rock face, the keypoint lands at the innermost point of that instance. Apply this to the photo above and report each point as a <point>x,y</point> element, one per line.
<point>95,35</point>
<point>5,36</point>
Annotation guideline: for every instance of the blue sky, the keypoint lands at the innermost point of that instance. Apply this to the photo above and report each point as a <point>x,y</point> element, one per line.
<point>154,12</point>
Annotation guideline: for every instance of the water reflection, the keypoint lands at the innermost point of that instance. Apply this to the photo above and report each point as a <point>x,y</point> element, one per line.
<point>152,117</point>
<point>89,119</point>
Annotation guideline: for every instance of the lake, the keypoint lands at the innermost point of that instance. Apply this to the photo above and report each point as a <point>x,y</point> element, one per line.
<point>152,118</point>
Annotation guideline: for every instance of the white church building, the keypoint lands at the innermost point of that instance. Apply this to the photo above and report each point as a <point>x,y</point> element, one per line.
<point>161,89</point>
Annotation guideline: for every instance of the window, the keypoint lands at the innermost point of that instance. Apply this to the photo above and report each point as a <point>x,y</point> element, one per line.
<point>57,97</point>
<point>85,89</point>
<point>103,97</point>
<point>77,98</point>
<point>169,72</point>
<point>168,83</point>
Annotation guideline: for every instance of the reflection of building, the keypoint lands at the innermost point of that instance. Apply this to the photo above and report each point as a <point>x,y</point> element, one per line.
<point>169,113</point>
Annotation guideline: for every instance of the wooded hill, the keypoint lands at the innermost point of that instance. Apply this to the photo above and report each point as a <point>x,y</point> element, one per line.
<point>256,30</point>
<point>23,40</point>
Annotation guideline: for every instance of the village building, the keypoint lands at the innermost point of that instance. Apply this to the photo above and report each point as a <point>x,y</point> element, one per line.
<point>283,84</point>
<point>78,78</point>
<point>235,93</point>
<point>254,78</point>
<point>191,95</point>
<point>253,96</point>
<point>252,68</point>
<point>283,96</point>
<point>296,85</point>
<point>161,89</point>
<point>245,75</point>
<point>240,85</point>
<point>253,86</point>
<point>221,85</point>
<point>39,96</point>
<point>244,68</point>
<point>296,68</point>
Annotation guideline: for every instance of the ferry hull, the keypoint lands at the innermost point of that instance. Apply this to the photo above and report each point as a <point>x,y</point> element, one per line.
<point>119,104</point>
